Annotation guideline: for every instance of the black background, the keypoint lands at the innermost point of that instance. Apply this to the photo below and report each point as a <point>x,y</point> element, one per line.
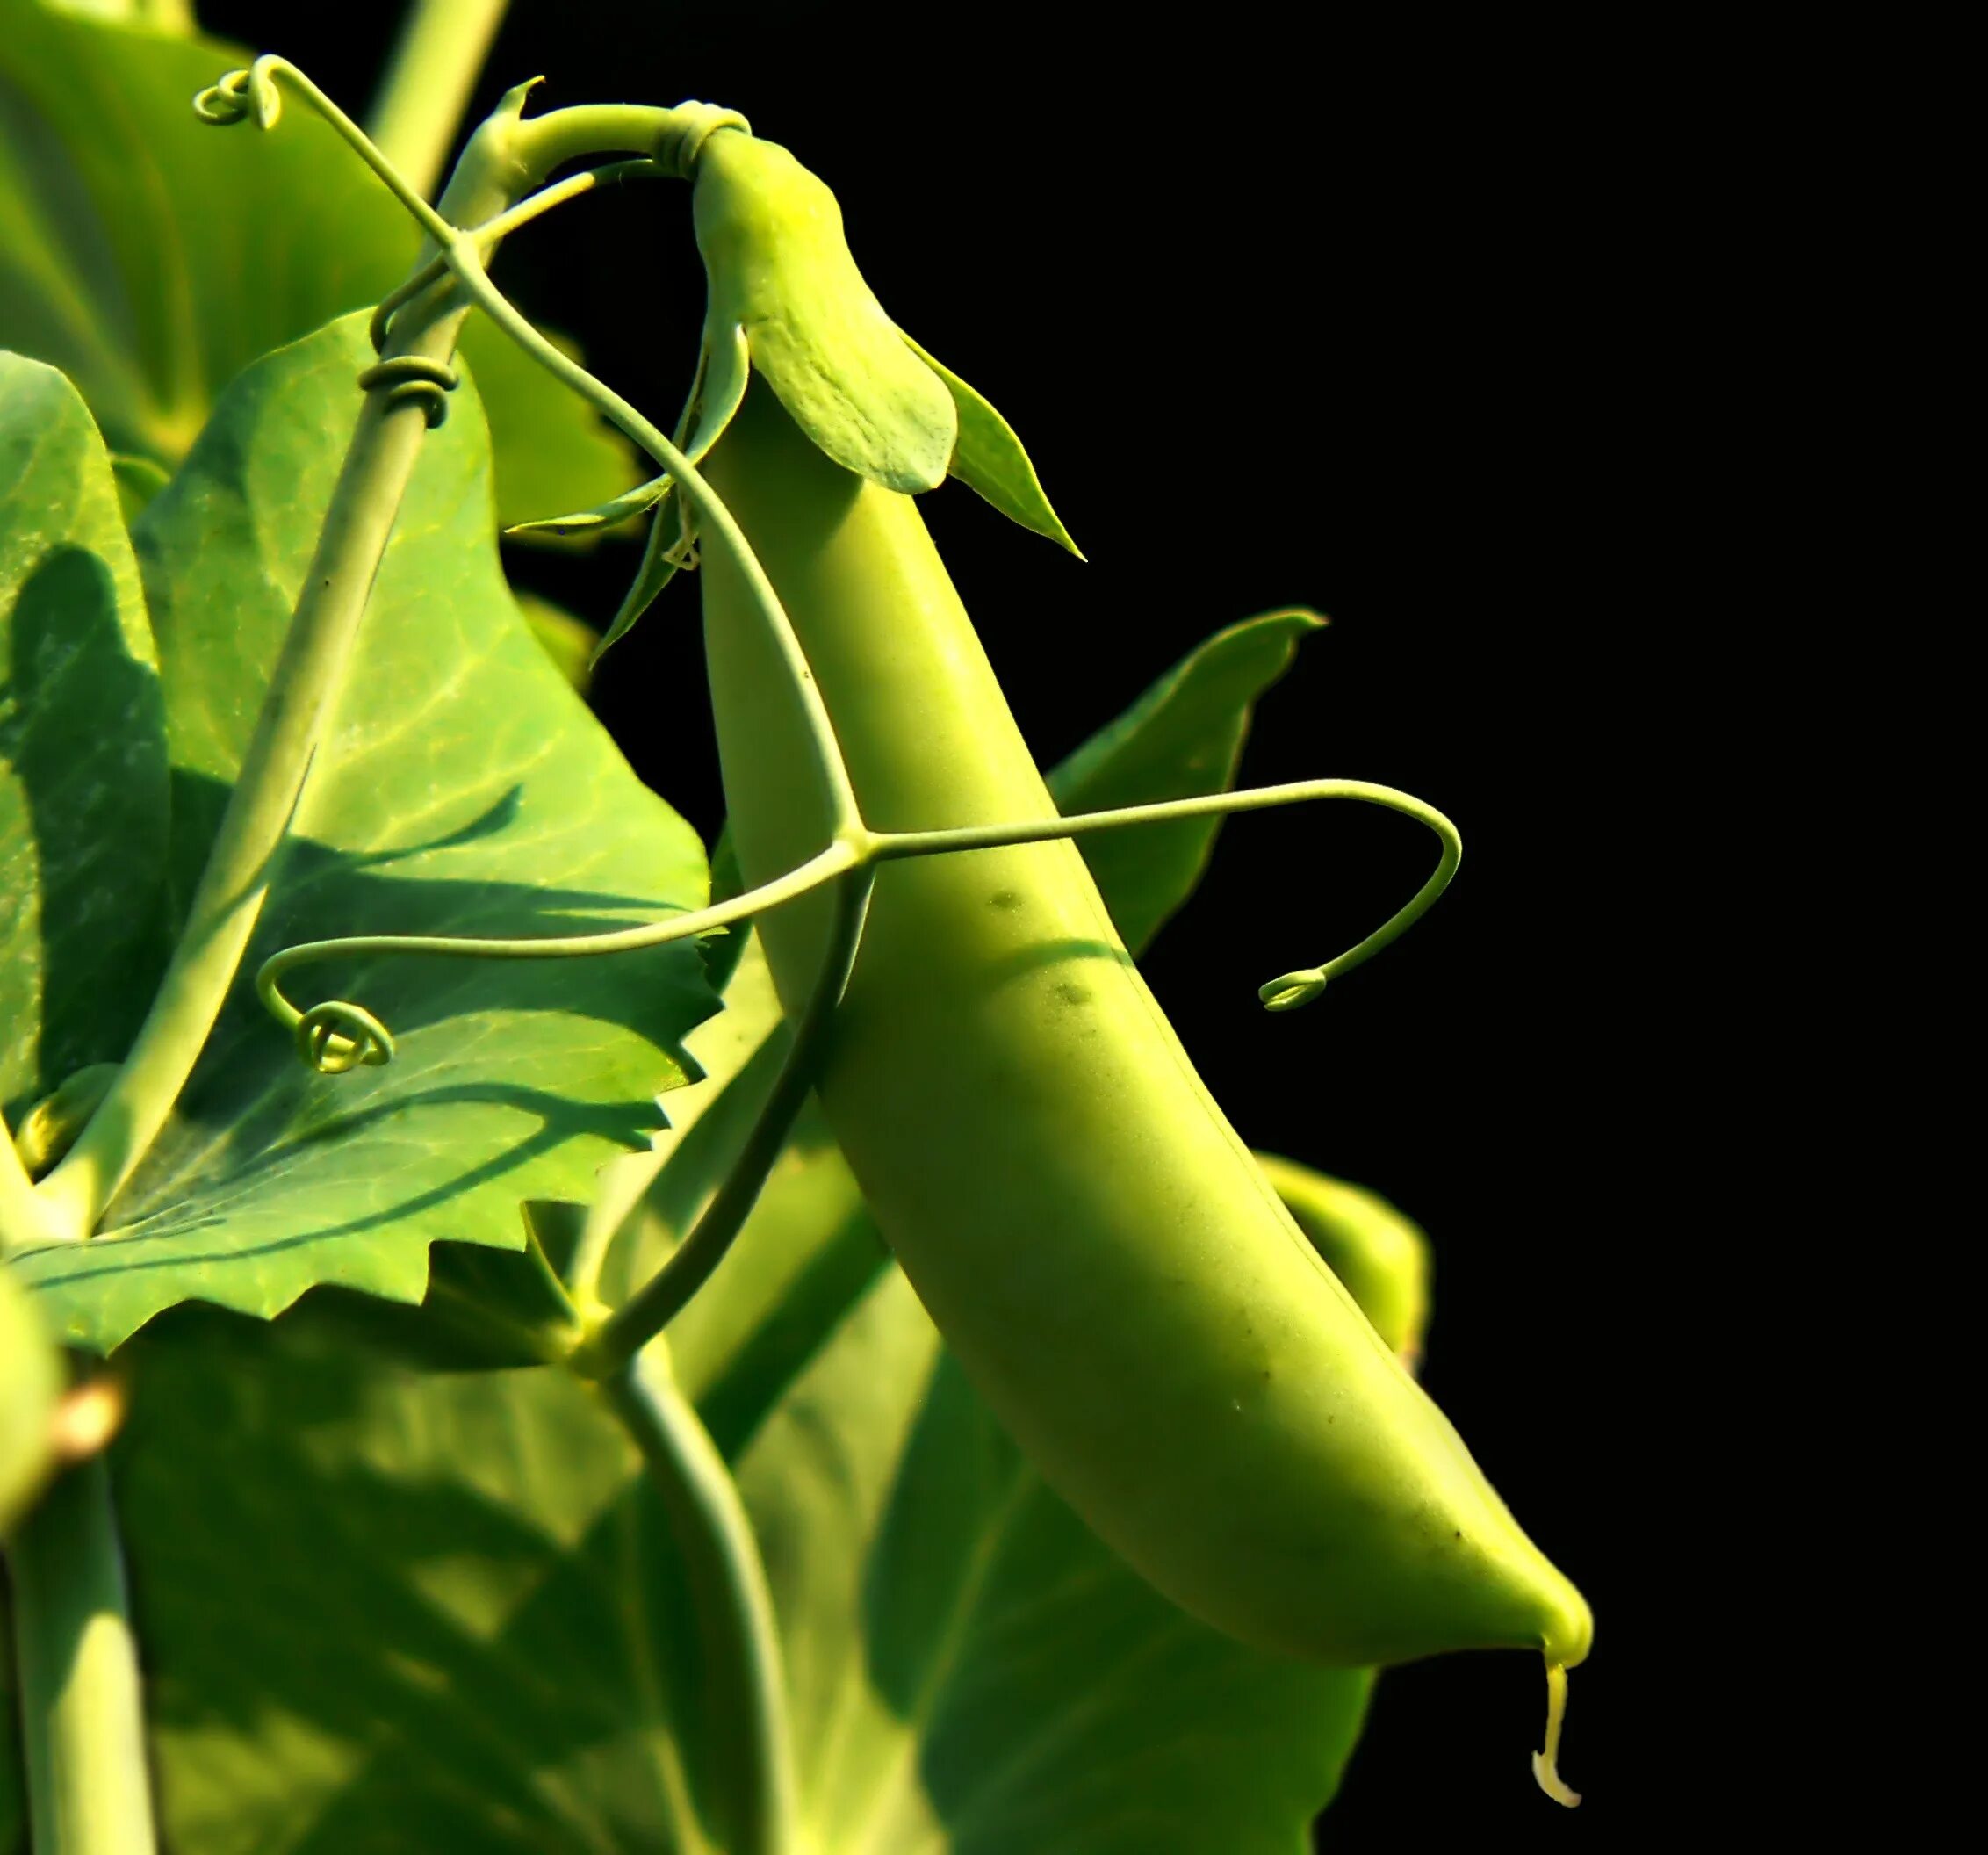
<point>1404,327</point>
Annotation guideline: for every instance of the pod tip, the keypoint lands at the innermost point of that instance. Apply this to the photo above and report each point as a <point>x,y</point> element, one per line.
<point>1546,1763</point>
<point>1550,1781</point>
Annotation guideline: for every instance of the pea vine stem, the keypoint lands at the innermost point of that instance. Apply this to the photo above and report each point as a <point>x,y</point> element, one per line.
<point>728,1587</point>
<point>81,1719</point>
<point>435,61</point>
<point>647,1312</point>
<point>506,159</point>
<point>303,689</point>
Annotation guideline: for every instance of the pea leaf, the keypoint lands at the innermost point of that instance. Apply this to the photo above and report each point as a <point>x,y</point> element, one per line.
<point>152,257</point>
<point>970,1671</point>
<point>485,1310</point>
<point>82,748</point>
<point>465,773</point>
<point>989,458</point>
<point>395,1612</point>
<point>1182,737</point>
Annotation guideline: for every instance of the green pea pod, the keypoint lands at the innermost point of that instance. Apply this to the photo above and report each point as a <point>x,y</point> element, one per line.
<point>30,1382</point>
<point>1380,1256</point>
<point>1112,1268</point>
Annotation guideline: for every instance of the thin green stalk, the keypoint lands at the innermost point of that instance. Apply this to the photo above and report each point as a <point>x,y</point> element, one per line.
<point>81,1715</point>
<point>638,1190</point>
<point>338,1036</point>
<point>651,1310</point>
<point>1292,988</point>
<point>728,1588</point>
<point>426,87</point>
<point>506,159</point>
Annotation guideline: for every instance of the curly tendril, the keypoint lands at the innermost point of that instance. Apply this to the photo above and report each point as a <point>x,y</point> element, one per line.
<point>230,98</point>
<point>404,377</point>
<point>238,92</point>
<point>1289,990</point>
<point>336,1037</point>
<point>379,327</point>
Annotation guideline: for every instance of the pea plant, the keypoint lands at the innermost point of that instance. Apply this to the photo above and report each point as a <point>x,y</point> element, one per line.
<point>518,1330</point>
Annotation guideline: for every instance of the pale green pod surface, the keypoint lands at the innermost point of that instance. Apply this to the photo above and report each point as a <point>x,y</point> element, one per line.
<point>779,268</point>
<point>1092,1239</point>
<point>1377,1254</point>
<point>30,1381</point>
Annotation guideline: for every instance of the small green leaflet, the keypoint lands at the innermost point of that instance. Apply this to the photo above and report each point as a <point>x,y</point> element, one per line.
<point>989,458</point>
<point>1183,736</point>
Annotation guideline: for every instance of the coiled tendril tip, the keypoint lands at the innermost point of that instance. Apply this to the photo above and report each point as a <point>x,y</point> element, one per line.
<point>1293,990</point>
<point>230,99</point>
<point>336,1037</point>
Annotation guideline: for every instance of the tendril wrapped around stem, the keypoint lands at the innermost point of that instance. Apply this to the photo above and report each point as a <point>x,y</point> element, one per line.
<point>404,376</point>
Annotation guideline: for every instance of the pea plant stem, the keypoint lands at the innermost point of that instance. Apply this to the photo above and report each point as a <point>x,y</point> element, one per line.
<point>660,1300</point>
<point>434,66</point>
<point>506,159</point>
<point>728,1588</point>
<point>83,1723</point>
<point>303,689</point>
